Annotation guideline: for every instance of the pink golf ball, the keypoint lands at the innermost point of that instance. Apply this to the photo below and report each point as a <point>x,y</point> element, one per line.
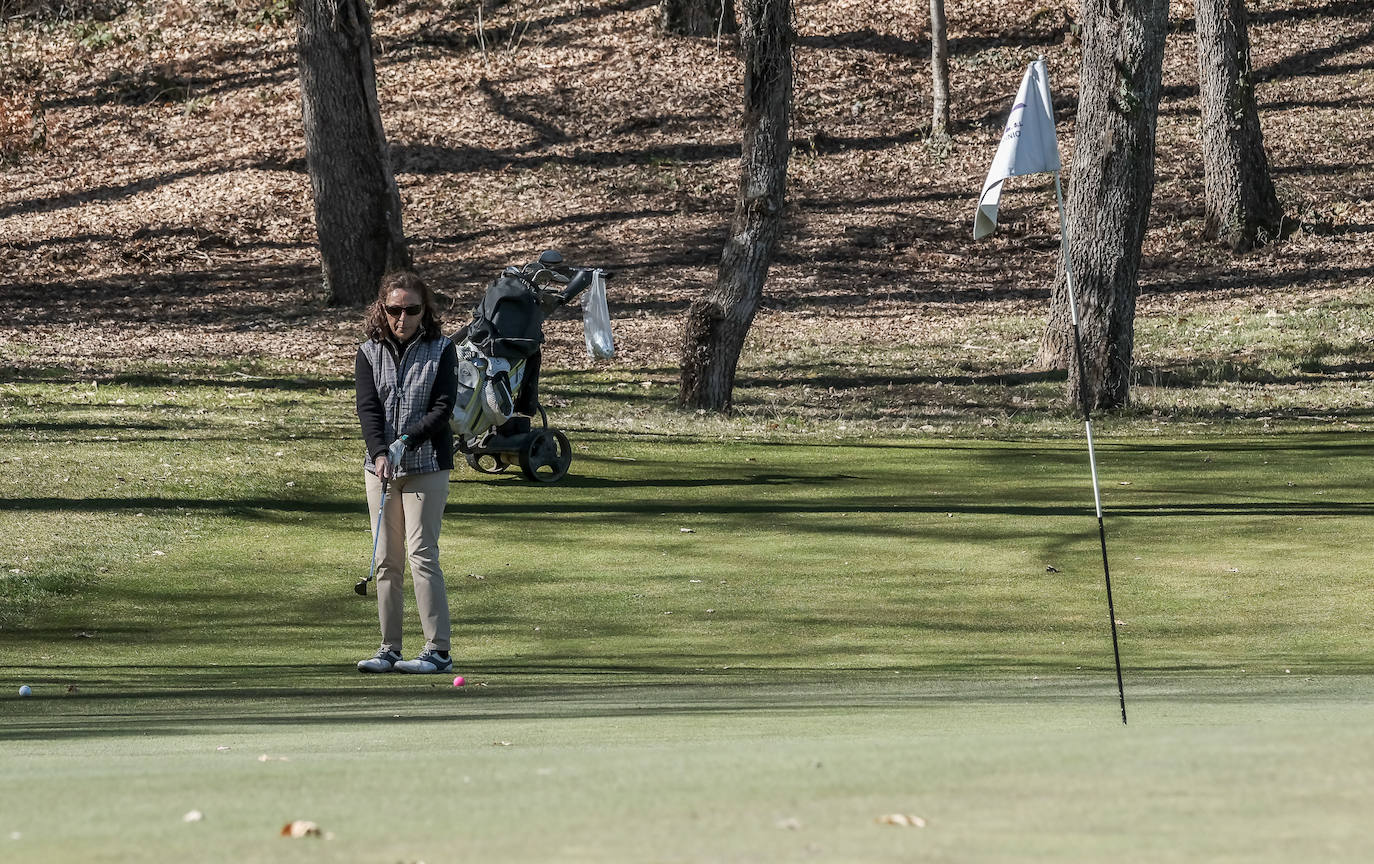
<point>458,682</point>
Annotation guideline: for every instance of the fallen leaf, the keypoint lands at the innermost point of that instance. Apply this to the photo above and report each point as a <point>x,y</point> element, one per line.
<point>301,828</point>
<point>902,820</point>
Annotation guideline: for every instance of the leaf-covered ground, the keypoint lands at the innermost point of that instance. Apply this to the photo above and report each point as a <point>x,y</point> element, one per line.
<point>155,202</point>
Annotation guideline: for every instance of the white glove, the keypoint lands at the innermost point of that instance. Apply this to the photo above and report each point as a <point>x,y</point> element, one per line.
<point>395,452</point>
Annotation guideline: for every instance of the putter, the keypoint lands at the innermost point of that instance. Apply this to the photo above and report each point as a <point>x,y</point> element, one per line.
<point>360,588</point>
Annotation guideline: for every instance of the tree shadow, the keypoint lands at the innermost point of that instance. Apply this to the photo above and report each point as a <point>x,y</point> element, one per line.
<point>163,380</point>
<point>1313,61</point>
<point>1252,283</point>
<point>117,191</point>
<point>822,376</point>
<point>203,238</point>
<point>157,83</point>
<point>426,158</point>
<point>271,509</point>
<point>1327,9</point>
<point>210,295</point>
<point>1318,169</point>
<point>502,106</point>
<point>435,33</point>
<point>868,39</point>
<point>1311,365</point>
<point>170,700</point>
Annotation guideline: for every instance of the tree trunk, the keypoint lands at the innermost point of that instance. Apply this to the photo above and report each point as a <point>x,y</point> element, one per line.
<point>717,323</point>
<point>1242,209</point>
<point>1109,196</point>
<point>357,204</point>
<point>697,17</point>
<point>939,71</point>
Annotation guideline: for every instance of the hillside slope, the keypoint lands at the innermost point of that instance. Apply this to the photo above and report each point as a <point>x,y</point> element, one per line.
<point>154,199</point>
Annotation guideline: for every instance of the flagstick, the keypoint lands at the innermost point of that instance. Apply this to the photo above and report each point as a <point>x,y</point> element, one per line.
<point>1088,424</point>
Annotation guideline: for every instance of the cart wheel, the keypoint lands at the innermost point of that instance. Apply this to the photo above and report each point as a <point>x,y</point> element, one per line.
<point>546,456</point>
<point>486,463</point>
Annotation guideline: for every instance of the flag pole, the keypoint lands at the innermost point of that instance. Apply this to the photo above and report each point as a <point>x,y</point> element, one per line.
<point>1088,426</point>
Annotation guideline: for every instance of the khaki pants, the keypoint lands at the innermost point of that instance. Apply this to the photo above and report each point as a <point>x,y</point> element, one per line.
<point>410,529</point>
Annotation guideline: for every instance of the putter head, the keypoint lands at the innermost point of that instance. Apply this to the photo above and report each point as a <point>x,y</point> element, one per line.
<point>360,588</point>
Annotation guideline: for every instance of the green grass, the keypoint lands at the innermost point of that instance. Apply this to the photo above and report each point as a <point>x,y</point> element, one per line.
<point>845,629</point>
<point>585,770</point>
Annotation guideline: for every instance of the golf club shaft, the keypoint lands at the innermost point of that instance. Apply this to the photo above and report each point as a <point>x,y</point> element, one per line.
<point>377,535</point>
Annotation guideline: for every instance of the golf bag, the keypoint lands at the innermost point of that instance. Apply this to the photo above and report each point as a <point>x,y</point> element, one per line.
<point>498,370</point>
<point>493,353</point>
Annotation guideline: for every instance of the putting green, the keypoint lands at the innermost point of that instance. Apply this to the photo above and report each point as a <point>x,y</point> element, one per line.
<point>1256,768</point>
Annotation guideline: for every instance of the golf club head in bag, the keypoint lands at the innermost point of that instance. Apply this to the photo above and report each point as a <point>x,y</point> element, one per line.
<point>360,587</point>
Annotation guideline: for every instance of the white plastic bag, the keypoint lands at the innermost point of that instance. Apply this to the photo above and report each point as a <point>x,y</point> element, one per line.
<point>596,320</point>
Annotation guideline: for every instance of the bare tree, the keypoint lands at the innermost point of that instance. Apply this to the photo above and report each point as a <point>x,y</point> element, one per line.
<point>939,71</point>
<point>697,17</point>
<point>1109,195</point>
<point>357,204</point>
<point>717,323</point>
<point>1242,209</point>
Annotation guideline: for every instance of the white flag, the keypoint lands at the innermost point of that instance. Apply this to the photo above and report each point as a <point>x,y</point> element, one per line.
<point>1028,145</point>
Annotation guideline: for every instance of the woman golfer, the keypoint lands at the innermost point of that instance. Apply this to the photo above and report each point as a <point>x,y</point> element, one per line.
<point>406,387</point>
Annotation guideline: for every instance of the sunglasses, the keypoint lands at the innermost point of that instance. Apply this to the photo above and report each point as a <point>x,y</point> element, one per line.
<point>398,311</point>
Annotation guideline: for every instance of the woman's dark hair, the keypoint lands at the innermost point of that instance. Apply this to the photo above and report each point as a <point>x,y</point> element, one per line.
<point>374,324</point>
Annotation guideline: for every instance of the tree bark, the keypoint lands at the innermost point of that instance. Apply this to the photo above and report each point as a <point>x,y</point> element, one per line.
<point>697,17</point>
<point>717,323</point>
<point>1242,209</point>
<point>939,71</point>
<point>357,204</point>
<point>1109,196</point>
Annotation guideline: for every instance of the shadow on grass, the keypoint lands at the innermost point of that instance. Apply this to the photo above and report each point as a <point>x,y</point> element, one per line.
<point>171,700</point>
<point>822,375</point>
<point>264,508</point>
<point>233,378</point>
